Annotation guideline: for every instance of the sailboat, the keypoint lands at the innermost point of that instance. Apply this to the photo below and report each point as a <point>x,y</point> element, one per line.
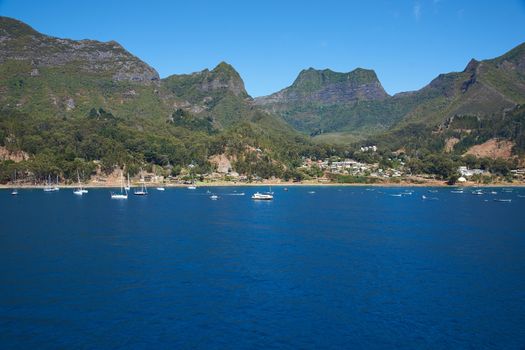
<point>14,192</point>
<point>48,187</point>
<point>128,186</point>
<point>123,192</point>
<point>192,186</point>
<point>56,188</point>
<point>143,190</point>
<point>79,191</point>
<point>158,188</point>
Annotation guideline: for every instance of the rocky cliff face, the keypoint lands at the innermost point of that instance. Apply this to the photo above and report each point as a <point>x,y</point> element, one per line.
<point>206,85</point>
<point>19,42</point>
<point>324,100</point>
<point>328,87</point>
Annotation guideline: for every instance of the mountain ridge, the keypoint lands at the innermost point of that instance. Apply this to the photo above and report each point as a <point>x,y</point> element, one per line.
<point>62,81</point>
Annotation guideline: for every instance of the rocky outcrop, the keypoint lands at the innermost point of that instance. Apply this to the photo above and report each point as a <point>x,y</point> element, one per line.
<point>15,156</point>
<point>223,77</point>
<point>204,86</point>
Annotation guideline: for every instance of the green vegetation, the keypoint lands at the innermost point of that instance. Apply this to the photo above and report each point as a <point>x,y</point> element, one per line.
<point>91,106</point>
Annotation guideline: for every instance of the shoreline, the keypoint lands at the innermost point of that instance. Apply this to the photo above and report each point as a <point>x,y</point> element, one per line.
<point>276,184</point>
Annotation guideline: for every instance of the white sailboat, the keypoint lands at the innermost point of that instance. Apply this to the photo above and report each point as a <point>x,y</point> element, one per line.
<point>56,188</point>
<point>123,192</point>
<point>158,188</point>
<point>192,186</point>
<point>49,187</point>
<point>128,185</point>
<point>143,190</point>
<point>79,191</point>
<point>14,192</point>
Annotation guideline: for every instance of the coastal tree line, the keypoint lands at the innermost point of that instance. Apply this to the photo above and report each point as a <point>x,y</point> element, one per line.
<point>101,141</point>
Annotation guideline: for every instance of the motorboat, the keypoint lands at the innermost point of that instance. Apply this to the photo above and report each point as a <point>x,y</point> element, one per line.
<point>262,196</point>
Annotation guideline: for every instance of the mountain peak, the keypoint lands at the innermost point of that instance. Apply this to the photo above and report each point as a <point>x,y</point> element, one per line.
<point>224,77</point>
<point>328,87</point>
<point>224,67</point>
<point>311,80</point>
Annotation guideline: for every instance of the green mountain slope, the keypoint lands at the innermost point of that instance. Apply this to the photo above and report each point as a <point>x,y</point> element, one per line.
<point>68,103</point>
<point>348,107</point>
<point>486,91</point>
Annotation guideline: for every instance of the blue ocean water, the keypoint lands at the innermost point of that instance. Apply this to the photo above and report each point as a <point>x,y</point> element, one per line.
<point>343,267</point>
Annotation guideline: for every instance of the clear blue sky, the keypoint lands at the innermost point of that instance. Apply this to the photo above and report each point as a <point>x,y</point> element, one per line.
<point>406,42</point>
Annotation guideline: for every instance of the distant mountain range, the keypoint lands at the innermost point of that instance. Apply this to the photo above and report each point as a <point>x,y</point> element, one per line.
<point>326,101</point>
<point>59,79</point>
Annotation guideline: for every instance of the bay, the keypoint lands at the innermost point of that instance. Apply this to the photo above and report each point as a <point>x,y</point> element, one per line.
<point>317,267</point>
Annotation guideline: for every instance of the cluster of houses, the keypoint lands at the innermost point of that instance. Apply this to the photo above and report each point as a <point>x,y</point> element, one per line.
<point>465,173</point>
<point>351,167</point>
<point>331,166</point>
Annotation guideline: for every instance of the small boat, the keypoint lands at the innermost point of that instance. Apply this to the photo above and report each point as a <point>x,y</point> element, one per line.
<point>493,192</point>
<point>262,196</point>
<point>160,189</point>
<point>119,195</point>
<point>396,195</point>
<point>14,192</point>
<point>214,197</point>
<point>143,190</point>
<point>477,192</point>
<point>49,187</point>
<point>128,185</point>
<point>79,191</point>
<point>502,200</point>
<point>457,191</point>
<point>56,188</point>
<point>429,198</point>
<point>311,192</point>
<point>123,192</point>
<point>192,187</point>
